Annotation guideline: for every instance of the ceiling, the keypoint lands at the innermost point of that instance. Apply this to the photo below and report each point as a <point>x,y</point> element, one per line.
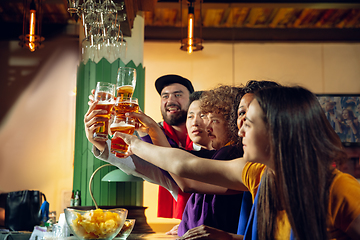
<point>235,20</point>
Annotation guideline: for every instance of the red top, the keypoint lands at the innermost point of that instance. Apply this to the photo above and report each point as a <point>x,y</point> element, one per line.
<point>167,206</point>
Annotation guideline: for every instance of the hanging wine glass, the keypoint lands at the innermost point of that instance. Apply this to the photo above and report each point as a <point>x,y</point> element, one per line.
<point>89,6</point>
<point>113,33</point>
<point>86,26</point>
<point>120,6</point>
<point>91,17</point>
<point>121,17</point>
<point>101,24</point>
<point>108,6</point>
<point>91,49</point>
<point>95,29</point>
<point>109,14</point>
<point>86,51</point>
<point>73,6</point>
<point>109,19</point>
<point>121,46</point>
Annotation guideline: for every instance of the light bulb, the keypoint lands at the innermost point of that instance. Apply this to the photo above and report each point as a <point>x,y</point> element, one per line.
<point>190,32</point>
<point>32,25</point>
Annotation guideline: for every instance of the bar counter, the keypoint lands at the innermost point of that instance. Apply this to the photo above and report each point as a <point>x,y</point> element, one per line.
<point>146,236</point>
<point>151,236</point>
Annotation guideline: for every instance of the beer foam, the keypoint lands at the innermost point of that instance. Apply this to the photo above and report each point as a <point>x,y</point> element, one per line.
<point>121,124</point>
<point>125,87</point>
<point>110,101</point>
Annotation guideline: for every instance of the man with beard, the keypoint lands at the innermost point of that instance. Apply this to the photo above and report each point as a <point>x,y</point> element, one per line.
<point>174,91</point>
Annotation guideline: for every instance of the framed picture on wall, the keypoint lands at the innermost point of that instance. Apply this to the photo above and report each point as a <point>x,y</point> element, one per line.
<point>343,113</point>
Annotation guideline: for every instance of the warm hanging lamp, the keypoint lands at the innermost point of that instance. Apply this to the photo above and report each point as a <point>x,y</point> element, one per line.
<point>31,37</point>
<point>191,43</point>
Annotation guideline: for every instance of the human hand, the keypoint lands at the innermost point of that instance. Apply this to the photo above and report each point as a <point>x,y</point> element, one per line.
<point>349,122</point>
<point>173,231</point>
<point>206,232</point>
<point>148,126</point>
<point>145,123</point>
<point>91,97</point>
<point>92,122</point>
<point>128,139</point>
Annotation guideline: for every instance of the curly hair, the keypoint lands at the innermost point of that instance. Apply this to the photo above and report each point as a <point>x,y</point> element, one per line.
<point>224,100</point>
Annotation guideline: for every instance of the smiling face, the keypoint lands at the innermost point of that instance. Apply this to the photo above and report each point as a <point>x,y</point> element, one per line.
<point>255,139</point>
<point>174,104</point>
<point>345,114</point>
<point>217,130</point>
<point>196,123</point>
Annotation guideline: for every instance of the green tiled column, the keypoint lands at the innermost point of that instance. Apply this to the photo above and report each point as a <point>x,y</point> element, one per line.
<point>105,193</point>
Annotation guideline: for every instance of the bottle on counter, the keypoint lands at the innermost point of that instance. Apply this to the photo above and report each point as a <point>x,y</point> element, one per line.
<point>77,201</point>
<point>72,199</point>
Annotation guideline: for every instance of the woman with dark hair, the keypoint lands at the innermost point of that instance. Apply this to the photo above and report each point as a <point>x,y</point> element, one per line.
<point>289,147</point>
<point>351,126</point>
<point>299,154</point>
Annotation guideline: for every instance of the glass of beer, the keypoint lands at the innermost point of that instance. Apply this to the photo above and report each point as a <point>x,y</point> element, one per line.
<point>126,82</point>
<point>123,106</point>
<point>104,93</point>
<point>125,125</point>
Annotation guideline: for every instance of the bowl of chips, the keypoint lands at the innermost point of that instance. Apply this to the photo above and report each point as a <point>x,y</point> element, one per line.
<point>126,229</point>
<point>97,223</point>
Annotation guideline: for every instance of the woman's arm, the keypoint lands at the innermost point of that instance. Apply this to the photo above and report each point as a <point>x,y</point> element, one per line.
<point>186,185</point>
<point>223,173</point>
<point>191,186</point>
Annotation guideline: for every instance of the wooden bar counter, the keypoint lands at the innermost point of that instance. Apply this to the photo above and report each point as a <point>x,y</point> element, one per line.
<point>133,236</point>
<point>151,236</point>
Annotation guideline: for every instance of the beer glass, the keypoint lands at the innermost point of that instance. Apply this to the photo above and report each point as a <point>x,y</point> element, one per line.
<point>126,82</point>
<point>104,93</point>
<point>123,106</point>
<point>125,125</point>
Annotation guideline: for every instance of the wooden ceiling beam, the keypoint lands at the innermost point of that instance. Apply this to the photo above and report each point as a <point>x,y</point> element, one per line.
<point>319,4</point>
<point>258,34</point>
